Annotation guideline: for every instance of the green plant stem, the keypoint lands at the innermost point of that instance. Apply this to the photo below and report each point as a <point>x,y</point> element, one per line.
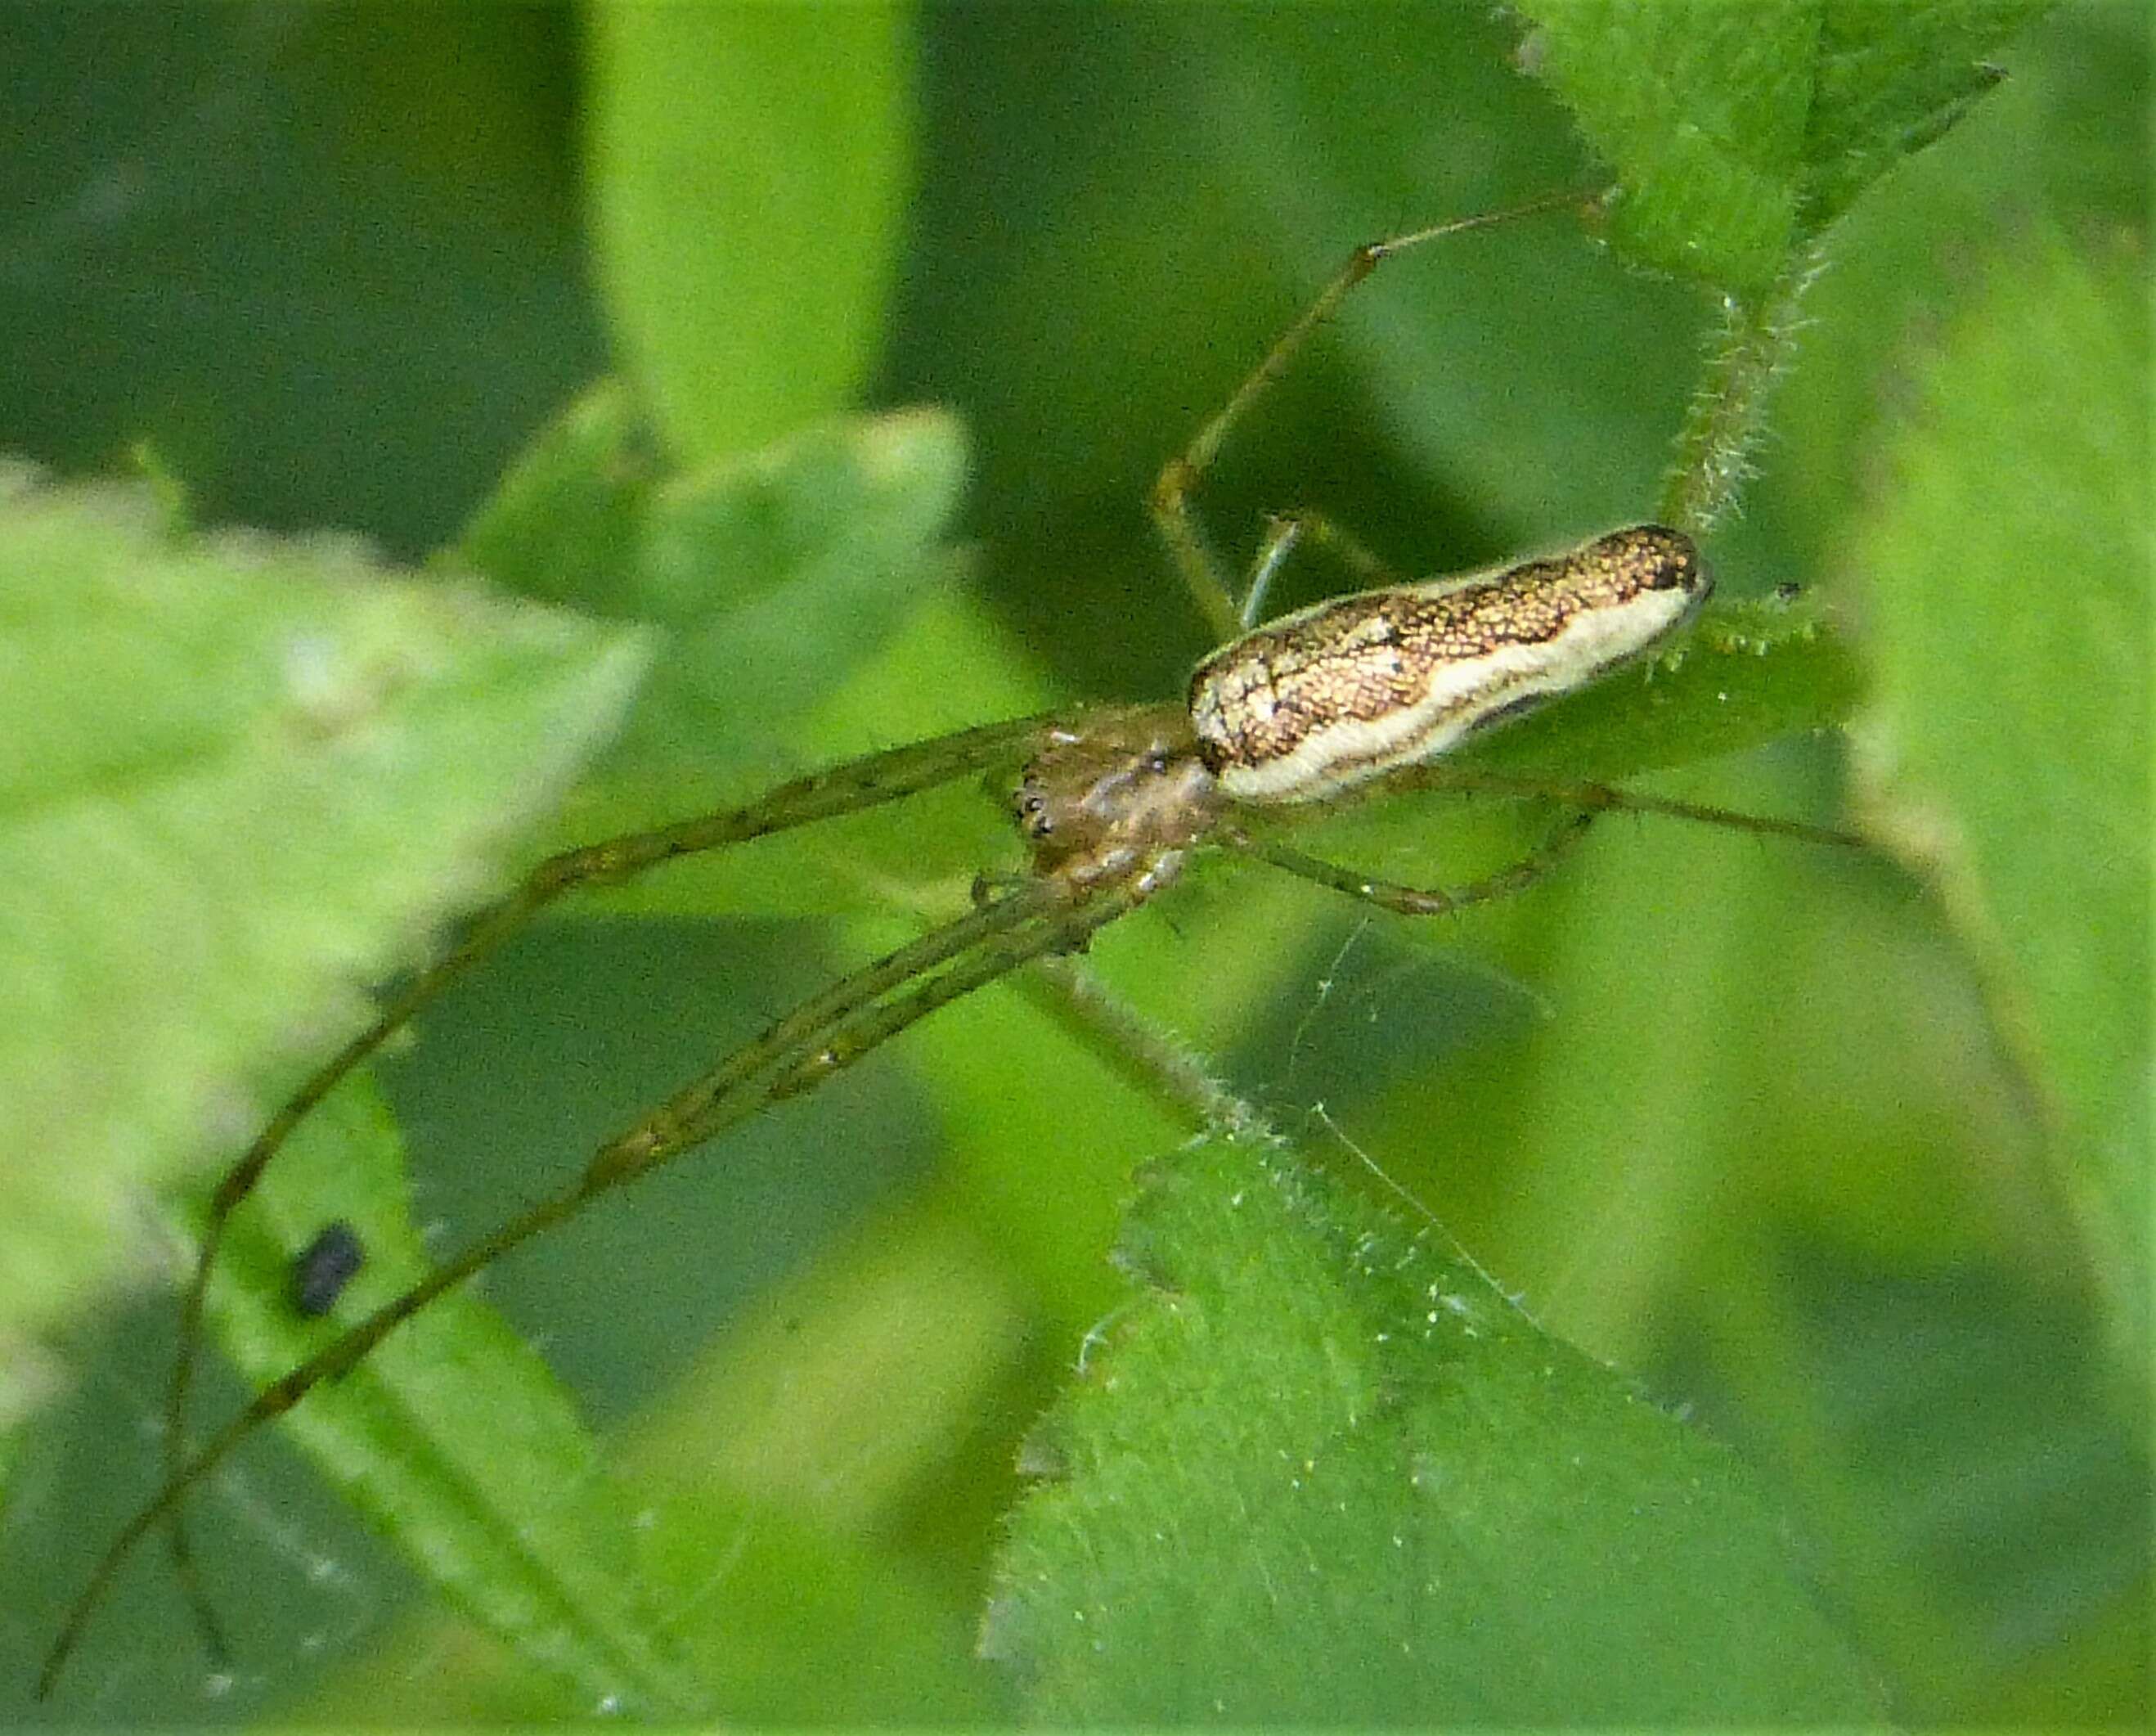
<point>1754,343</point>
<point>1164,1067</point>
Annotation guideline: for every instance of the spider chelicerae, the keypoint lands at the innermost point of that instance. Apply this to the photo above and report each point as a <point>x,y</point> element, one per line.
<point>1359,694</point>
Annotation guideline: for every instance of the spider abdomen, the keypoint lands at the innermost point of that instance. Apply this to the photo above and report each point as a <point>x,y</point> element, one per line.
<point>1334,694</point>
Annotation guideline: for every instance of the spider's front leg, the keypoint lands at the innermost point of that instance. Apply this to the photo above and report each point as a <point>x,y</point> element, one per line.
<point>861,784</point>
<point>1110,804</point>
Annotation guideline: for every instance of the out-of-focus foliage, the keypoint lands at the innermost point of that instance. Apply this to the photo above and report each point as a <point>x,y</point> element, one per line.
<point>2006,745</point>
<point>1842,1164</point>
<point>233,769</point>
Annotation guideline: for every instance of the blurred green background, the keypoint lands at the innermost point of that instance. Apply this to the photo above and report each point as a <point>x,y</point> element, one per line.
<point>1746,1120</point>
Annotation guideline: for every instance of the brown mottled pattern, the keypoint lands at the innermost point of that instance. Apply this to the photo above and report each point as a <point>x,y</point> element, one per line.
<point>1370,655</point>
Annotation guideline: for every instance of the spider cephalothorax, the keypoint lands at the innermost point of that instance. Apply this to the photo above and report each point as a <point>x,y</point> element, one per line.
<point>1118,796</point>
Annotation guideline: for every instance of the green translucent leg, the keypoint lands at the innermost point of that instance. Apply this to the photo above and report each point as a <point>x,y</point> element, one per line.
<point>1586,800</point>
<point>860,783</point>
<point>1172,512</point>
<point>1601,798</point>
<point>1283,531</point>
<point>1418,901</point>
<point>825,1034</point>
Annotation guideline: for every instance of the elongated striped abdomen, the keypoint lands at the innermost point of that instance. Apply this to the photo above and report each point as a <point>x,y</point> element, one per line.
<point>1334,694</point>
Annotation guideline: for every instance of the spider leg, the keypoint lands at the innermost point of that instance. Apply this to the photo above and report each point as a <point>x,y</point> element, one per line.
<point>813,1036</point>
<point>825,1034</point>
<point>860,783</point>
<point>1417,900</point>
<point>1603,798</point>
<point>1586,800</point>
<point>1283,531</point>
<point>1170,502</point>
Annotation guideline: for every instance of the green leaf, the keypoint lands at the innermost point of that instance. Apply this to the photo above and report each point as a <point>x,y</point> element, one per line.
<point>1956,1444</point>
<point>2052,144</point>
<point>1746,675</point>
<point>239,778</point>
<point>564,523</point>
<point>1740,133</point>
<point>778,577</point>
<point>770,1485</point>
<point>452,1436</point>
<point>2005,748</point>
<point>1324,1472</point>
<point>748,167</point>
<point>775,576</point>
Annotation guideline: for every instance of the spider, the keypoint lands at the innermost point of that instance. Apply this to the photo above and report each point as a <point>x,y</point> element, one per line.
<point>1362,693</point>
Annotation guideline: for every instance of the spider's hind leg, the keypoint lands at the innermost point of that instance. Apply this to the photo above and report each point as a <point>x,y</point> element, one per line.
<point>1420,901</point>
<point>1584,802</point>
<point>1606,798</point>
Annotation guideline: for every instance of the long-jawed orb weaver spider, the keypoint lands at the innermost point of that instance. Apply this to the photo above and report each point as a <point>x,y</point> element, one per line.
<point>1361,693</point>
